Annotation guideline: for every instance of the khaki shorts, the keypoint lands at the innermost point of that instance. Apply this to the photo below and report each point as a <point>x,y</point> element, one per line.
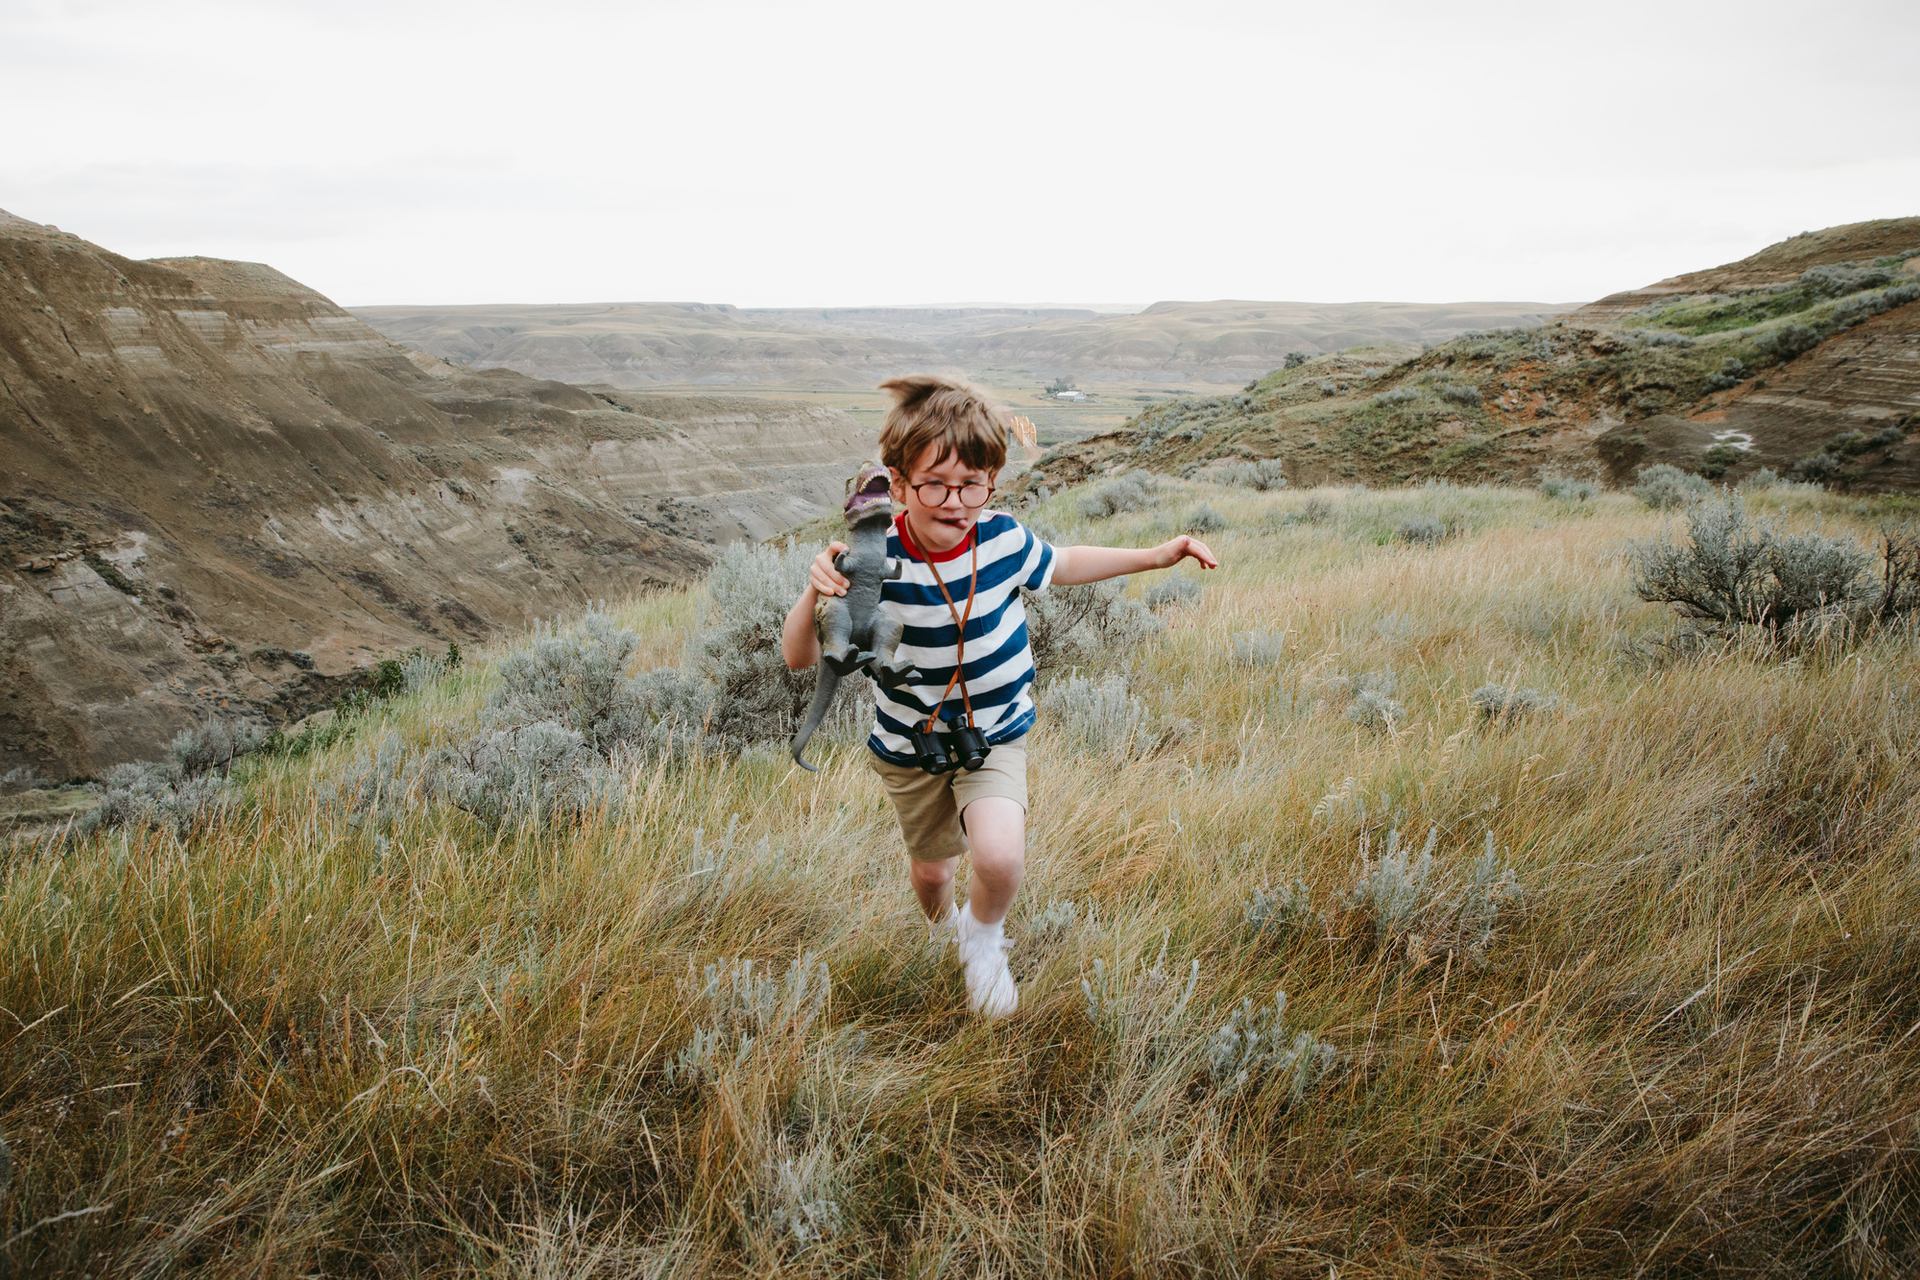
<point>930,804</point>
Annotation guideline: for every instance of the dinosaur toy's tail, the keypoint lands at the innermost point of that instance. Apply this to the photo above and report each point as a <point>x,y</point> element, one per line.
<point>829,681</point>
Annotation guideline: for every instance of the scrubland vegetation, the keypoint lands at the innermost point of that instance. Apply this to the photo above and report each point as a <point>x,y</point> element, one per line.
<point>1398,903</point>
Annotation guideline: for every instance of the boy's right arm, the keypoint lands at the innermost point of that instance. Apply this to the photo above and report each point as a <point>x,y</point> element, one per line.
<point>799,642</point>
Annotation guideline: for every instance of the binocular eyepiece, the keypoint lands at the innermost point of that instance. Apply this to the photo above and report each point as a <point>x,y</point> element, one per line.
<point>962,748</point>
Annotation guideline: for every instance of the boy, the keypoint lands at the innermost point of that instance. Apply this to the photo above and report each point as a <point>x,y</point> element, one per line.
<point>944,445</point>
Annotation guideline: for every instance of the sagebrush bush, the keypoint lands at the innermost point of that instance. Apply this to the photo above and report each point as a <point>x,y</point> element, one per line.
<point>1459,393</point>
<point>1092,626</point>
<point>1203,519</point>
<point>22,778</point>
<point>183,791</point>
<point>1425,916</point>
<point>737,1008</point>
<point>1254,1048</point>
<point>541,772</point>
<point>1371,703</point>
<point>1142,1014</point>
<point>1732,571</point>
<point>212,745</point>
<point>1500,703</point>
<point>802,1196</point>
<point>1375,711</point>
<point>1761,478</point>
<point>1169,592</point>
<point>1663,486</point>
<point>755,697</point>
<point>1395,396</point>
<point>1133,491</point>
<point>1060,917</point>
<point>1566,488</point>
<point>1264,475</point>
<point>1259,648</point>
<point>1101,715</point>
<point>1789,340</point>
<point>1425,531</point>
<point>1275,913</point>
<point>1316,510</point>
<point>145,793</point>
<point>576,678</point>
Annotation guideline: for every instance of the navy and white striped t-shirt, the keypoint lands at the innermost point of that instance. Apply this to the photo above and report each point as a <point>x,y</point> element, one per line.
<point>999,666</point>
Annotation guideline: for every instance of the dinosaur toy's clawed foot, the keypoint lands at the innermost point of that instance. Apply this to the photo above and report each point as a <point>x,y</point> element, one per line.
<point>894,677</point>
<point>848,663</point>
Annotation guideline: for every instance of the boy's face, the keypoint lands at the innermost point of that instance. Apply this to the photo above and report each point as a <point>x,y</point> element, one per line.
<point>939,526</point>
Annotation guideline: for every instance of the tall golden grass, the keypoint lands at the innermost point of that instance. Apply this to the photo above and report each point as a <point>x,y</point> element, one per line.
<point>290,1045</point>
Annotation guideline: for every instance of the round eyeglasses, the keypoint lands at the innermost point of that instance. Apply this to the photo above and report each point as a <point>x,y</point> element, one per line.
<point>934,493</point>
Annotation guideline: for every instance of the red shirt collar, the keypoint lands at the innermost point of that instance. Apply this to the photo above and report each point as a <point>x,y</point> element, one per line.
<point>933,557</point>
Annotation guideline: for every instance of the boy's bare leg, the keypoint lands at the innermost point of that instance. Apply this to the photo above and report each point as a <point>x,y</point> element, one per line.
<point>997,842</point>
<point>933,884</point>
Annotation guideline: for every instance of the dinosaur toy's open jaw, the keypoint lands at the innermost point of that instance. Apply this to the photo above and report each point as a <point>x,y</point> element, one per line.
<point>870,490</point>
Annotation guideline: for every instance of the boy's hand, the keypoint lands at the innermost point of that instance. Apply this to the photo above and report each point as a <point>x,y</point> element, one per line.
<point>1172,553</point>
<point>823,577</point>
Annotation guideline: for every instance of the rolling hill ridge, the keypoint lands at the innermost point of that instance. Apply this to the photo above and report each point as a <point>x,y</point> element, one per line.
<point>1803,358</point>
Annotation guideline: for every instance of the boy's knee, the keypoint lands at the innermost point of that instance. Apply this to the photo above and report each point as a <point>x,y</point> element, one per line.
<point>996,832</point>
<point>932,872</point>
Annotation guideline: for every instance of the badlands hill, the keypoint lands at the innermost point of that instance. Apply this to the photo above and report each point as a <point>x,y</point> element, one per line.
<point>221,494</point>
<point>645,344</point>
<point>1803,358</point>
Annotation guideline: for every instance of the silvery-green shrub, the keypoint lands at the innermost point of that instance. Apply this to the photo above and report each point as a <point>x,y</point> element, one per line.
<point>212,745</point>
<point>1422,530</point>
<point>1133,491</point>
<point>149,794</point>
<point>756,698</point>
<point>1142,1012</point>
<point>539,772</point>
<point>1100,715</point>
<point>737,1006</point>
<point>1663,486</point>
<point>1263,475</point>
<point>1203,519</point>
<point>1274,912</point>
<point>1732,570</point>
<point>574,677</point>
<point>1254,1047</point>
<point>1169,592</point>
<point>1498,702</point>
<point>1377,711</point>
<point>1259,648</point>
<point>1089,626</point>
<point>1565,488</point>
<point>1426,912</point>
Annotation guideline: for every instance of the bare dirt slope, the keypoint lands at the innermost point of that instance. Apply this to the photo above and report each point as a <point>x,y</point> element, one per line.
<point>642,344</point>
<point>222,494</point>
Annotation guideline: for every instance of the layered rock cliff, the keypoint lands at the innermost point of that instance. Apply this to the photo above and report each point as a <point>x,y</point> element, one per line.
<point>221,494</point>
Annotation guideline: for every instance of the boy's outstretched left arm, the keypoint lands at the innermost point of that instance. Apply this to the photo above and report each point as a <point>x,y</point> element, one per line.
<point>1075,565</point>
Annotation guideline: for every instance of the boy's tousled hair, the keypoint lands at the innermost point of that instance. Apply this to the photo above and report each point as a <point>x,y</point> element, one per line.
<point>952,416</point>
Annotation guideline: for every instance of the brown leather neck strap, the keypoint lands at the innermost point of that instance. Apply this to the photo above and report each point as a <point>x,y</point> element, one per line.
<point>960,631</point>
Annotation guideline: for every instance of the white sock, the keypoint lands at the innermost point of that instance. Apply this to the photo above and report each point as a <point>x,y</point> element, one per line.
<point>973,925</point>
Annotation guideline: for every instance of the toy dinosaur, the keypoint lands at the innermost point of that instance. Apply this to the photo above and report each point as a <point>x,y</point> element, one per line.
<point>854,633</point>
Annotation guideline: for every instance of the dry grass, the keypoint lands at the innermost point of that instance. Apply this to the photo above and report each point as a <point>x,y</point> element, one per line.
<point>289,1045</point>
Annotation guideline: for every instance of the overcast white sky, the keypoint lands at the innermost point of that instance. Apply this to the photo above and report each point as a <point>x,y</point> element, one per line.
<point>776,154</point>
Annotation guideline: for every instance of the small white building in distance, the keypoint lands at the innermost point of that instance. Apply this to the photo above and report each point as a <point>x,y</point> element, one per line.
<point>1069,395</point>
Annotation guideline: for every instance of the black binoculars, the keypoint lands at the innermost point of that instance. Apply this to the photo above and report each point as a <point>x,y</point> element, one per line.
<point>962,748</point>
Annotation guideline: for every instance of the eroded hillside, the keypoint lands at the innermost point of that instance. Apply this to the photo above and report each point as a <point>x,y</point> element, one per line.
<point>643,344</point>
<point>225,495</point>
<point>1804,358</point>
